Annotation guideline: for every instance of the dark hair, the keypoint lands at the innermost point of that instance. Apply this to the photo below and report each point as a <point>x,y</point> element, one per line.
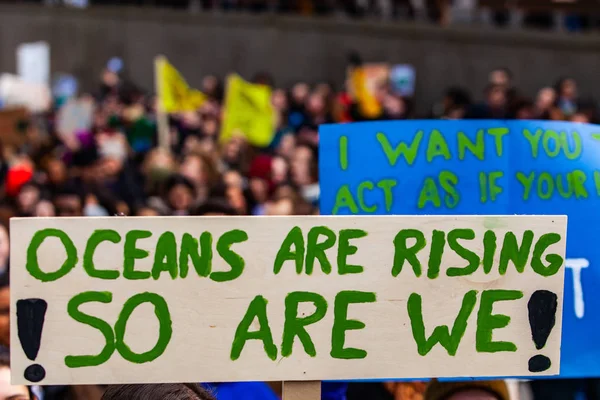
<point>167,391</point>
<point>214,206</point>
<point>176,180</point>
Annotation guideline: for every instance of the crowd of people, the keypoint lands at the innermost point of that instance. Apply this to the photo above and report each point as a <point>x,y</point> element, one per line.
<point>116,168</point>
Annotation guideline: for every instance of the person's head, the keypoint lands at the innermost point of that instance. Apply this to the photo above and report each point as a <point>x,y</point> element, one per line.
<point>501,77</point>
<point>456,96</point>
<point>9,391</point>
<point>496,96</point>
<point>68,203</point>
<point>45,208</point>
<point>299,93</point>
<point>394,106</point>
<point>166,391</point>
<point>280,100</point>
<point>286,146</point>
<point>57,171</point>
<point>5,309</point>
<point>198,168</point>
<point>315,104</point>
<point>180,193</point>
<point>470,390</point>
<point>304,165</point>
<point>546,98</point>
<point>566,88</point>
<point>28,197</point>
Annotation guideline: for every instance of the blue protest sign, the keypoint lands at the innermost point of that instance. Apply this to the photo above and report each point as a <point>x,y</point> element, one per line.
<point>482,167</point>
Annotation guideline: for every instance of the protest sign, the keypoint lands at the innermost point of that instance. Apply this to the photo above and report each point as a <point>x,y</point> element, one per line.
<point>482,167</point>
<point>402,80</point>
<point>248,112</point>
<point>33,62</point>
<point>16,92</point>
<point>201,299</point>
<point>13,126</point>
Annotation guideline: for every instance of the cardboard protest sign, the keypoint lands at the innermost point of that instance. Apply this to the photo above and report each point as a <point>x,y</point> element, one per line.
<point>13,126</point>
<point>482,167</point>
<point>122,300</point>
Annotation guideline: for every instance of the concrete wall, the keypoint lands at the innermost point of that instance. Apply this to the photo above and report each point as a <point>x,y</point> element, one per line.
<point>292,48</point>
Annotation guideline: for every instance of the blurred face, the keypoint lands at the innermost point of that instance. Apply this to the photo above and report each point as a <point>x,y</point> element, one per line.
<point>5,316</point>
<point>300,93</point>
<point>193,168</point>
<point>301,166</point>
<point>280,207</point>
<point>316,104</point>
<point>28,198</point>
<point>236,199</point>
<point>69,206</point>
<point>579,117</point>
<point>499,77</point>
<point>8,391</point>
<point>259,188</point>
<point>279,170</point>
<point>545,98</point>
<point>4,248</point>
<point>280,100</point>
<point>180,197</point>
<point>57,172</point>
<point>45,209</point>
<point>497,98</point>
<point>474,394</point>
<point>569,89</point>
<point>394,106</point>
<point>209,84</point>
<point>210,127</point>
<point>233,179</point>
<point>147,212</point>
<point>287,146</point>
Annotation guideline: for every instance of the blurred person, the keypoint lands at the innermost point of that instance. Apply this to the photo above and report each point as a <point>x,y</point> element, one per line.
<point>494,106</point>
<point>28,198</point>
<point>45,208</point>
<point>544,103</point>
<point>179,194</point>
<point>165,391</point>
<point>504,77</point>
<point>454,100</point>
<point>9,391</point>
<point>522,108</point>
<point>566,96</point>
<point>304,172</point>
<point>470,390</point>
<point>4,249</point>
<point>394,107</point>
<point>199,169</point>
<point>5,310</point>
<point>68,202</point>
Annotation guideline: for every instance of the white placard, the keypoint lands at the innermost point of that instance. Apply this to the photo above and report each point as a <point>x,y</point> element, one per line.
<point>33,62</point>
<point>211,299</point>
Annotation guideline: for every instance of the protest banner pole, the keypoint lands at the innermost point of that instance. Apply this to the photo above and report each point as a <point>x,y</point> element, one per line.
<point>162,121</point>
<point>309,390</point>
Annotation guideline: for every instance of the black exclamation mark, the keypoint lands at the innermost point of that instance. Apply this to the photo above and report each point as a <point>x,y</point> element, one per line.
<point>542,317</point>
<point>30,323</point>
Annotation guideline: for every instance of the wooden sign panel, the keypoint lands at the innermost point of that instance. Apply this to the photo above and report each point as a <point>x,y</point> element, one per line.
<point>211,299</point>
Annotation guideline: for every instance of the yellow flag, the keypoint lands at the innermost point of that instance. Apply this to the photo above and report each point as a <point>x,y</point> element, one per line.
<point>363,82</point>
<point>174,93</point>
<point>248,112</point>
